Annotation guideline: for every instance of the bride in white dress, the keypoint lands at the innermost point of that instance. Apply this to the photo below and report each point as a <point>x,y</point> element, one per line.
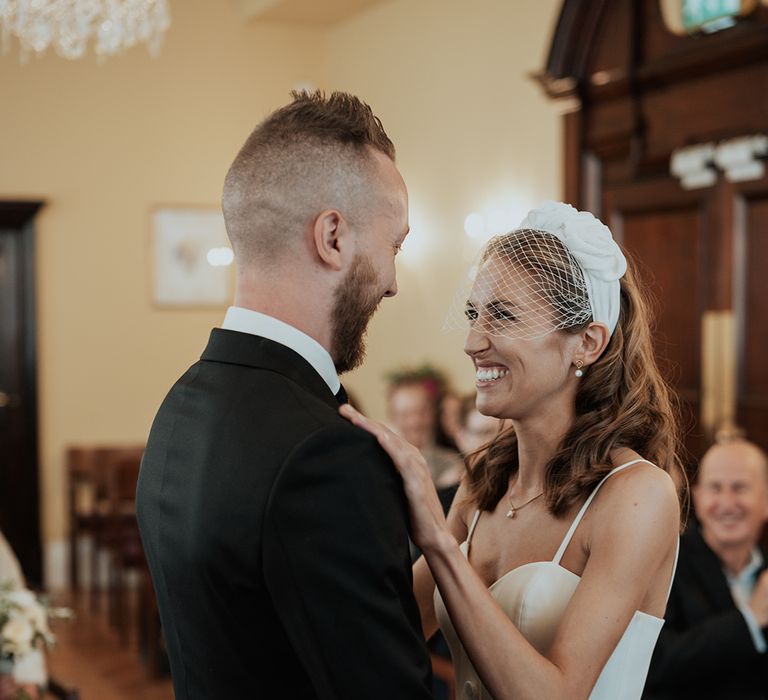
<point>554,565</point>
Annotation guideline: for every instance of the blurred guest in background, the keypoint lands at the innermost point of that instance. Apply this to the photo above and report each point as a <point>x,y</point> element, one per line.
<point>413,404</point>
<point>475,428</point>
<point>473,431</point>
<point>713,644</point>
<point>448,419</point>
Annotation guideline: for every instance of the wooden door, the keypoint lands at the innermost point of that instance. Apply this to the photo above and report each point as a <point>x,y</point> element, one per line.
<point>665,233</point>
<point>19,485</point>
<point>750,225</point>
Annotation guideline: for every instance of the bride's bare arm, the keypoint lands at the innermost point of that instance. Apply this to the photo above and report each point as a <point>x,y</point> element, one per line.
<point>423,583</point>
<point>635,532</point>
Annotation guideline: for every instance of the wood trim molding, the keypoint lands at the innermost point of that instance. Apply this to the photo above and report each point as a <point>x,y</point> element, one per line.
<point>565,73</point>
<point>17,213</point>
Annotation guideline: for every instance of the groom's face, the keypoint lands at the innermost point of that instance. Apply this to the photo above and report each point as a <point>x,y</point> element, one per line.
<point>372,275</point>
<point>357,298</point>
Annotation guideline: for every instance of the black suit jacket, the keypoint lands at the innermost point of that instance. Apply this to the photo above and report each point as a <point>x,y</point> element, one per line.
<point>276,537</point>
<point>705,650</point>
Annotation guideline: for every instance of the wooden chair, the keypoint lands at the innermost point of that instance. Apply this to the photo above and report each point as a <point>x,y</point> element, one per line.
<point>151,640</point>
<point>120,534</point>
<point>82,495</point>
<point>87,468</point>
<point>89,506</point>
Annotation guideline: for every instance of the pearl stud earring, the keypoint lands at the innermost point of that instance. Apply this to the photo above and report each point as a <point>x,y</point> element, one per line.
<point>579,372</point>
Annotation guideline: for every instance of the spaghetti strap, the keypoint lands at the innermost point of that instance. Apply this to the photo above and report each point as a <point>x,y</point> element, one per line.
<point>472,528</point>
<point>674,569</point>
<point>569,535</point>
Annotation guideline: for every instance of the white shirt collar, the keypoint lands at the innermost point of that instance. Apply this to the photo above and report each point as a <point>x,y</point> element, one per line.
<point>255,323</point>
<point>747,574</point>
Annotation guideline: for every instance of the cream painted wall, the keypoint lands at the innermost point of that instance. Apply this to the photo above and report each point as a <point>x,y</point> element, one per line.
<point>474,133</point>
<point>104,143</point>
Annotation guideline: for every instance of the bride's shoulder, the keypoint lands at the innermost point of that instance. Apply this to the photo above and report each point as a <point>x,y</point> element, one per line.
<point>638,495</point>
<point>462,512</point>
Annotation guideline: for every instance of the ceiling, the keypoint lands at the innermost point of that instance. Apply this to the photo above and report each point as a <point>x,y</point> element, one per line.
<point>317,12</point>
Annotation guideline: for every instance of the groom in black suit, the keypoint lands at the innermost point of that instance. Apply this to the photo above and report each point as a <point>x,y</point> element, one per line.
<point>274,529</point>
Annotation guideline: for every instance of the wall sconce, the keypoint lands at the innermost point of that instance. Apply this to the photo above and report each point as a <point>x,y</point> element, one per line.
<point>693,165</point>
<point>740,158</point>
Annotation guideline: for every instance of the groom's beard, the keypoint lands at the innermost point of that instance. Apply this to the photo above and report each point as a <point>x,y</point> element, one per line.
<point>356,300</point>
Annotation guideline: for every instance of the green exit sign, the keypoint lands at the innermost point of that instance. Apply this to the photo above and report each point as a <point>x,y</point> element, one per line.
<point>710,15</point>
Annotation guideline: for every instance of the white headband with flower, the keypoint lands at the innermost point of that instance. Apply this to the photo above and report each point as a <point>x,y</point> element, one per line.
<point>591,244</point>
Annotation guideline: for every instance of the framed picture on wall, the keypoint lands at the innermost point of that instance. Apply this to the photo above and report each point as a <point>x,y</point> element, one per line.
<point>191,257</point>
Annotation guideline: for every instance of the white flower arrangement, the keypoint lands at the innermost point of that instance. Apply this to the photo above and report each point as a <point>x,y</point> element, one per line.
<point>23,624</point>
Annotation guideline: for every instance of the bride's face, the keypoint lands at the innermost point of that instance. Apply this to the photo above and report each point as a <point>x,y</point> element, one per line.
<point>523,366</point>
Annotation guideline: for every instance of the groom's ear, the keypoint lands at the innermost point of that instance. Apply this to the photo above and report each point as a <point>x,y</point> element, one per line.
<point>330,232</point>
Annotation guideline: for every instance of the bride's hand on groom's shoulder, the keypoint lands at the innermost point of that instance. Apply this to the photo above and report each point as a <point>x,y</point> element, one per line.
<point>427,519</point>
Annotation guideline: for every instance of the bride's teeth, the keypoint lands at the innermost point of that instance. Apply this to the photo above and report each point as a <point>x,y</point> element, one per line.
<point>488,375</point>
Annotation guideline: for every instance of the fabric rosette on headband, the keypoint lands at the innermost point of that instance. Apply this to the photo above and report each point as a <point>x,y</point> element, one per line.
<point>591,243</point>
<point>560,269</point>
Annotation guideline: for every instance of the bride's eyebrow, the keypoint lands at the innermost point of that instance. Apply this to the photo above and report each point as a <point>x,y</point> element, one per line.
<point>502,302</point>
<point>491,304</point>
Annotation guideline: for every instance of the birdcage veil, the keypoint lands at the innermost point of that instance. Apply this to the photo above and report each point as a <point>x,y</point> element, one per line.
<point>560,269</point>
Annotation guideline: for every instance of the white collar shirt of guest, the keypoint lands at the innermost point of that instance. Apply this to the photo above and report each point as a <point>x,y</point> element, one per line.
<point>244,320</point>
<point>741,586</point>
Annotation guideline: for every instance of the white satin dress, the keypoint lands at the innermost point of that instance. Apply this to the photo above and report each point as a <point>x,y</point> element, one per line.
<point>535,596</point>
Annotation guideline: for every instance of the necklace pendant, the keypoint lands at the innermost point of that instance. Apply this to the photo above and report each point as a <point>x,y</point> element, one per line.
<point>511,513</point>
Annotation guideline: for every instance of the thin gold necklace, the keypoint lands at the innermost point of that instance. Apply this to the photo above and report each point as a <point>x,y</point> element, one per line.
<point>512,512</point>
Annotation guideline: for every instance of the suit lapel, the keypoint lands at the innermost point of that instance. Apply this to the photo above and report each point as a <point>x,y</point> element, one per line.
<point>707,568</point>
<point>247,350</point>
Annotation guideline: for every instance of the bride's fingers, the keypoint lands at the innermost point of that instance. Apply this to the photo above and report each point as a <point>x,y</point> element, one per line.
<point>401,451</point>
<point>375,428</point>
<point>351,413</point>
<point>358,419</point>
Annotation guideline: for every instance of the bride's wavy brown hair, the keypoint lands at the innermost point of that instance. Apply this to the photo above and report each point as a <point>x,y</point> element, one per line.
<point>622,399</point>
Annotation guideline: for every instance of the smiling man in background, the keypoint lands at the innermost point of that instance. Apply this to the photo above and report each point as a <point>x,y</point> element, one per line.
<point>713,645</point>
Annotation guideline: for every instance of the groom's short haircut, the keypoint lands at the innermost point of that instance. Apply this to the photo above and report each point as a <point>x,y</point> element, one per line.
<point>311,155</point>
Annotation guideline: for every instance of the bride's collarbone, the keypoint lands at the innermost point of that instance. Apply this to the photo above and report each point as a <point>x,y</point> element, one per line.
<point>500,544</point>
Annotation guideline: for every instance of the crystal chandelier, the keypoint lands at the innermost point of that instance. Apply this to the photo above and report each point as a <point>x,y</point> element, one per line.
<point>68,25</point>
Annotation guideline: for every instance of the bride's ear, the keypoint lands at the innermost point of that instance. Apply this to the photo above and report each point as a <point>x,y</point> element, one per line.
<point>594,340</point>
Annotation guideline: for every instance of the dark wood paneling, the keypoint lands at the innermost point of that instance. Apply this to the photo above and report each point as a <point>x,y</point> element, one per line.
<point>572,160</point>
<point>667,247</point>
<point>665,233</point>
<point>711,107</point>
<point>610,50</point>
<point>610,128</point>
<point>752,291</point>
<point>625,44</point>
<point>644,93</point>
